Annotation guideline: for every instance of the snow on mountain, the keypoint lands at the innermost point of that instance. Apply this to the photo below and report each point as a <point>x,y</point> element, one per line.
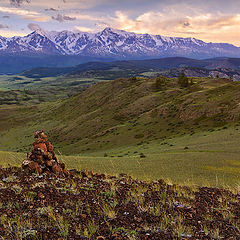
<point>3,43</point>
<point>114,43</point>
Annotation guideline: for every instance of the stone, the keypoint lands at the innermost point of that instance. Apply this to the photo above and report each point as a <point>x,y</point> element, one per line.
<point>42,158</point>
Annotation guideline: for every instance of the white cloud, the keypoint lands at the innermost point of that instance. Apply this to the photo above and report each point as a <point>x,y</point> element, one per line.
<point>27,14</point>
<point>17,11</point>
<point>88,17</point>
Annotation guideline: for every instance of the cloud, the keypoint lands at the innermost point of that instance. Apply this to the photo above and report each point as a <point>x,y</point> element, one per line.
<point>9,33</point>
<point>58,18</point>
<point>51,9</point>
<point>18,2</point>
<point>84,29</point>
<point>61,18</point>
<point>207,20</point>
<point>17,11</point>
<point>38,18</point>
<point>206,26</point>
<point>5,16</point>
<point>67,18</point>
<point>68,5</point>
<point>27,14</point>
<point>87,17</point>
<point>3,26</point>
<point>34,27</point>
<point>186,24</point>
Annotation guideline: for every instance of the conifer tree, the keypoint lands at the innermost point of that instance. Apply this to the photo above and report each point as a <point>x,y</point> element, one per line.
<point>183,80</point>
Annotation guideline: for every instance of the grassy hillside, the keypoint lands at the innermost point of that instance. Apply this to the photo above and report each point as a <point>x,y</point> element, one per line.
<point>125,112</point>
<point>144,127</point>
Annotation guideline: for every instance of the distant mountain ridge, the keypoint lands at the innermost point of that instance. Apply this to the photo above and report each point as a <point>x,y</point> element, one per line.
<point>171,67</point>
<point>112,43</point>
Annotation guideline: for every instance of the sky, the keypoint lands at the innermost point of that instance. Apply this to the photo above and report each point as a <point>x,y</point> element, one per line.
<point>208,20</point>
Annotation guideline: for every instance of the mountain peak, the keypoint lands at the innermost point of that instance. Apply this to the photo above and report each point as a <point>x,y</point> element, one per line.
<point>108,29</point>
<point>118,44</point>
<point>114,30</point>
<point>38,32</point>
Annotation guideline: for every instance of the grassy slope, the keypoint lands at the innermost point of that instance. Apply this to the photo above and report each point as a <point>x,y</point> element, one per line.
<point>126,117</point>
<point>122,113</point>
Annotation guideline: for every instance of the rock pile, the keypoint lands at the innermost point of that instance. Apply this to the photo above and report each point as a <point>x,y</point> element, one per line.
<point>42,157</point>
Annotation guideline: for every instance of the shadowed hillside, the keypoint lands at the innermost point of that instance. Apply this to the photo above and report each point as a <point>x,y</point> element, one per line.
<point>164,66</point>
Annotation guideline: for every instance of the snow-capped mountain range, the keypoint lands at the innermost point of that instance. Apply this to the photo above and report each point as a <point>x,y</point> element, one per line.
<point>113,43</point>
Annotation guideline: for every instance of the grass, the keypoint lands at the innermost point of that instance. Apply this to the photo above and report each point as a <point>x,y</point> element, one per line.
<point>196,168</point>
<point>11,158</point>
<point>206,162</point>
<point>105,207</point>
<point>126,126</point>
<point>118,113</point>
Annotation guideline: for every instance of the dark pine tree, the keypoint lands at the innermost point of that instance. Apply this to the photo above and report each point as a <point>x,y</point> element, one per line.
<point>183,80</point>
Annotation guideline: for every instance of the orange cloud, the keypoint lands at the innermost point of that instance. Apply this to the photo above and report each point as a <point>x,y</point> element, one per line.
<point>208,27</point>
<point>84,29</point>
<point>9,33</point>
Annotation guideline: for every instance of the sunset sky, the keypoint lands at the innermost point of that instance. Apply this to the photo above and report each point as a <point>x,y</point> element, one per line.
<point>208,20</point>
